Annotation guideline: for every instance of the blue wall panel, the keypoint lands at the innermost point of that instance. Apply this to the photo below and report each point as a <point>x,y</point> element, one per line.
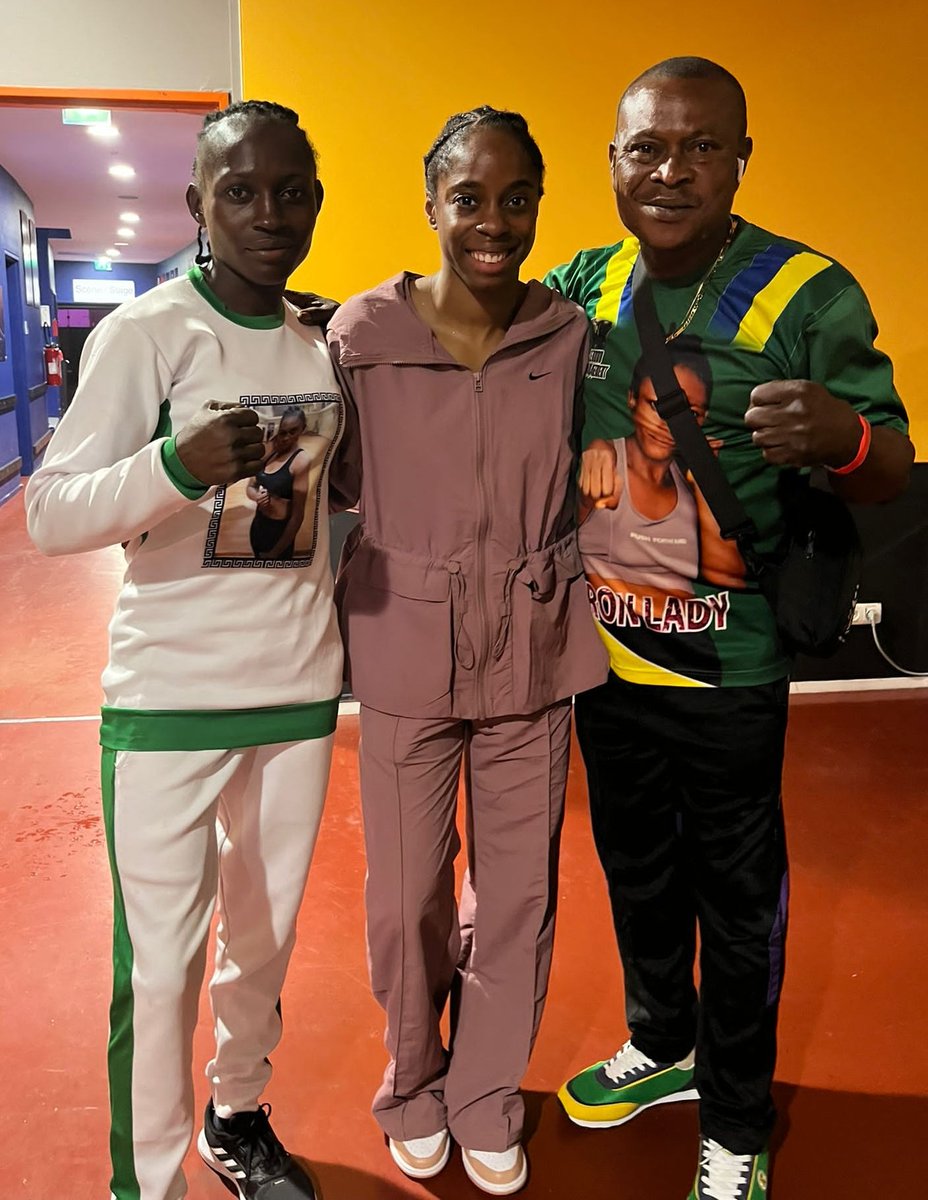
<point>24,365</point>
<point>13,200</point>
<point>181,262</point>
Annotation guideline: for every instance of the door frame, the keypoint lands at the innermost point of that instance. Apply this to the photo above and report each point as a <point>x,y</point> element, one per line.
<point>164,101</point>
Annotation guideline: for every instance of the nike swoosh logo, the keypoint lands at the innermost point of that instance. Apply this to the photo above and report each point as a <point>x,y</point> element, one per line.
<point>538,375</point>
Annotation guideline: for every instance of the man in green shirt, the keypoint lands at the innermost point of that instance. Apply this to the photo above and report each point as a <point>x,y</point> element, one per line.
<point>773,345</point>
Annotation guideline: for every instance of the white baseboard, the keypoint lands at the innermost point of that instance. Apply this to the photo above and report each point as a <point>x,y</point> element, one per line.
<point>896,683</point>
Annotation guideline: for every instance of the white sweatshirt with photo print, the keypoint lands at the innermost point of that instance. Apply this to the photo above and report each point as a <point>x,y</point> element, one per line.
<point>187,635</point>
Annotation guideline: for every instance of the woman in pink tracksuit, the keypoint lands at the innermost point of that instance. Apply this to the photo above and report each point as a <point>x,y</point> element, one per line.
<point>468,629</point>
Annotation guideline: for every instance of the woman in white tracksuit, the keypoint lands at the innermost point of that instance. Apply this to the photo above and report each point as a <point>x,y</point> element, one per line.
<point>225,666</point>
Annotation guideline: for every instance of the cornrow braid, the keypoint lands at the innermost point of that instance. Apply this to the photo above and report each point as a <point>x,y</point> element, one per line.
<point>456,128</point>
<point>257,110</point>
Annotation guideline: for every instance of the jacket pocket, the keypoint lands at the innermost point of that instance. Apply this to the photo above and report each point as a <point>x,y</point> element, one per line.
<point>396,620</point>
<point>551,624</point>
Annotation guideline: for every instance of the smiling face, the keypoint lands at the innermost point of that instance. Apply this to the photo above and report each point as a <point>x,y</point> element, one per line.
<point>675,170</point>
<point>258,196</point>
<point>651,433</point>
<point>485,208</point>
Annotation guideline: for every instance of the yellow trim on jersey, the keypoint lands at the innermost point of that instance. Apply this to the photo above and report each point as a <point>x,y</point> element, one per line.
<point>634,669</point>
<point>768,305</point>
<point>618,269</point>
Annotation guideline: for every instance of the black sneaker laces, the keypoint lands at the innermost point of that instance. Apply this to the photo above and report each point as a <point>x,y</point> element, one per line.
<point>263,1150</point>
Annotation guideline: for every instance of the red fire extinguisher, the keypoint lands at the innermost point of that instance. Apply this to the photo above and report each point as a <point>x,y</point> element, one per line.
<point>53,361</point>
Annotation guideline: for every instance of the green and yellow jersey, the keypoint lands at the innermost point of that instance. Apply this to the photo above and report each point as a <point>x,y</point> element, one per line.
<point>773,309</point>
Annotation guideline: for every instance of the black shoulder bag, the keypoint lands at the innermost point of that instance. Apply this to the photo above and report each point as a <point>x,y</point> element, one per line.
<point>811,580</point>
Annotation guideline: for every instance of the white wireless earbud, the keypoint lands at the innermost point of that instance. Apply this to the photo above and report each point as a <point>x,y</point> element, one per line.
<point>741,165</point>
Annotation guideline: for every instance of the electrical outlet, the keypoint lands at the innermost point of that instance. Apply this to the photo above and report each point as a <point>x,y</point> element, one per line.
<point>870,613</point>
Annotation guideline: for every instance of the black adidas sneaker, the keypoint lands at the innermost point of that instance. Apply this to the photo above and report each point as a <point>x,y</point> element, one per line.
<point>246,1155</point>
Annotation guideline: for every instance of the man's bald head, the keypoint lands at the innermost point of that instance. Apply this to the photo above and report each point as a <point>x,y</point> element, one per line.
<point>690,68</point>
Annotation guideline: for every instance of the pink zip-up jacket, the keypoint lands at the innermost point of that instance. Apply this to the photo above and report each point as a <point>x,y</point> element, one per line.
<point>461,592</point>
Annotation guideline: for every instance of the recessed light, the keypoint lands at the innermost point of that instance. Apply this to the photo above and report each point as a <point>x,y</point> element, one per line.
<point>125,232</point>
<point>112,252</point>
<point>120,243</point>
<point>105,133</point>
<point>122,171</point>
<point>129,218</point>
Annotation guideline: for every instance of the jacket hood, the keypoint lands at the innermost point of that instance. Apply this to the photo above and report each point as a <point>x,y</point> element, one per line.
<point>383,326</point>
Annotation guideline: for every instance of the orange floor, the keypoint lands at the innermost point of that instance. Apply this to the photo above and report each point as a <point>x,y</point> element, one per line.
<point>854,1056</point>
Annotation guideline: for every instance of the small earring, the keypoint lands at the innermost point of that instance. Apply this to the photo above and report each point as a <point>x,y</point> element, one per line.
<point>204,254</point>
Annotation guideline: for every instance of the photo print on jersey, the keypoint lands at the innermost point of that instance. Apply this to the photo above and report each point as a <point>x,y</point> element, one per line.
<point>655,559</point>
<point>272,518</point>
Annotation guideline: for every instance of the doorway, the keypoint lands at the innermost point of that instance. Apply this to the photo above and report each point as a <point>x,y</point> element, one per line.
<point>56,185</point>
<point>16,349</point>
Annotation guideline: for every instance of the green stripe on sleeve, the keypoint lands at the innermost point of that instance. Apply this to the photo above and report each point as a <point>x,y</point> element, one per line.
<point>124,1183</point>
<point>188,485</point>
<point>218,729</point>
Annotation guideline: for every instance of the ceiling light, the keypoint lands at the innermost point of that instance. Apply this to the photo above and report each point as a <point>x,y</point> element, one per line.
<point>103,133</point>
<point>129,218</point>
<point>120,243</point>
<point>122,171</point>
<point>125,232</point>
<point>112,252</point>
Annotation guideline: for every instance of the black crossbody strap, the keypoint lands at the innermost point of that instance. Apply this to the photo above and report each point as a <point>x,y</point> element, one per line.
<point>674,408</point>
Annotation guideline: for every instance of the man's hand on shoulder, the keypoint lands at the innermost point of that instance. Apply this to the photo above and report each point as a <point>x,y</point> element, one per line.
<point>797,423</point>
<point>312,309</point>
<point>221,443</point>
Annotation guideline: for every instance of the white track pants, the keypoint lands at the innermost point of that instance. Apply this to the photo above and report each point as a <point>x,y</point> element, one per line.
<point>190,831</point>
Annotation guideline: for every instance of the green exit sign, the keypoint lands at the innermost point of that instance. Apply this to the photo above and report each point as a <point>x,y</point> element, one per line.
<point>103,264</point>
<point>85,116</point>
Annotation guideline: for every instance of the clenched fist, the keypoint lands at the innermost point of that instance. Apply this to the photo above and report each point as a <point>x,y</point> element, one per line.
<point>221,443</point>
<point>598,474</point>
<point>797,423</point>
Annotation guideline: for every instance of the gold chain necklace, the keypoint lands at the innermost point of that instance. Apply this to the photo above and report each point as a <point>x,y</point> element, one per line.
<point>691,311</point>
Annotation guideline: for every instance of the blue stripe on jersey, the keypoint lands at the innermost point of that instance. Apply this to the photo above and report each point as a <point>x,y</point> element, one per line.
<point>738,296</point>
<point>626,315</point>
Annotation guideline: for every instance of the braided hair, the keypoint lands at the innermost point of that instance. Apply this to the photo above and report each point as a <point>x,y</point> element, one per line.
<point>248,110</point>
<point>458,127</point>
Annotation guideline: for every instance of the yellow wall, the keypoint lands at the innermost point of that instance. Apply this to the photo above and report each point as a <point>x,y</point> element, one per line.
<point>835,105</point>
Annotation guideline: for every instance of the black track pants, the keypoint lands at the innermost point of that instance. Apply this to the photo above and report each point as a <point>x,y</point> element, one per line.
<point>685,801</point>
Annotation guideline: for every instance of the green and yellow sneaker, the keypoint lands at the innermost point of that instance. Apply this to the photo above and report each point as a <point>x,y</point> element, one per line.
<point>611,1093</point>
<point>725,1176</point>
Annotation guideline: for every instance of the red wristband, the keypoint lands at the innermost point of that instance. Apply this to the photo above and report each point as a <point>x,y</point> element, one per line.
<point>862,450</point>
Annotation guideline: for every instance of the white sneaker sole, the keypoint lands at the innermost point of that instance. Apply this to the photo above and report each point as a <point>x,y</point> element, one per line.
<point>205,1150</point>
<point>419,1172</point>
<point>497,1189</point>
<point>690,1094</point>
